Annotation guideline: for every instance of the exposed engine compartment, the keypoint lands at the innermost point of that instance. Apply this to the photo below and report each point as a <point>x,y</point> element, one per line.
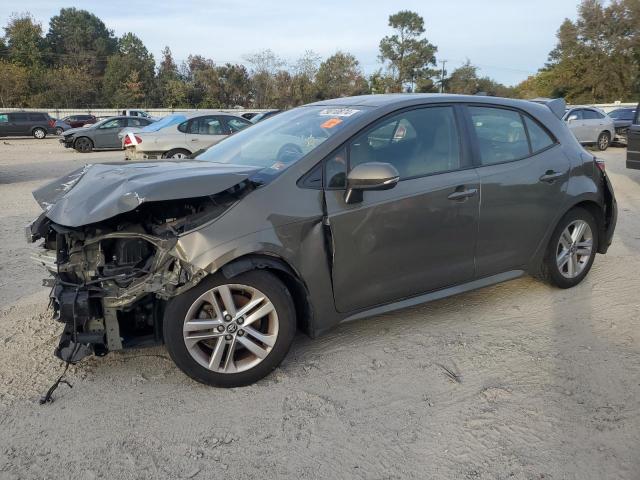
<point>111,279</point>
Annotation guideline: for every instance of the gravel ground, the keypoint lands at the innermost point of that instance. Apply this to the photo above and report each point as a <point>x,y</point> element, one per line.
<point>546,382</point>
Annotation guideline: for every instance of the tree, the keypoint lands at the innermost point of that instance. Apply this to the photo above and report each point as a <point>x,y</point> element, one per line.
<point>409,56</point>
<point>235,85</point>
<point>130,74</point>
<point>303,88</point>
<point>264,65</point>
<point>340,76</point>
<point>24,41</point>
<point>14,84</point>
<point>596,58</point>
<point>77,38</point>
<point>65,87</point>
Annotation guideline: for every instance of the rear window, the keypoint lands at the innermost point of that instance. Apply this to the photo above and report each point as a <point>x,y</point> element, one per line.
<point>164,122</point>
<point>540,139</point>
<point>18,117</point>
<point>591,115</point>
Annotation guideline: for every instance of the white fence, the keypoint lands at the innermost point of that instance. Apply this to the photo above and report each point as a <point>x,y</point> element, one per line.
<point>162,112</point>
<point>110,112</point>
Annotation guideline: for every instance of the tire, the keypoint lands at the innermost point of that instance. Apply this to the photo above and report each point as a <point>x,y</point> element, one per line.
<point>83,145</point>
<point>59,131</point>
<point>604,140</point>
<point>572,272</point>
<point>39,133</point>
<point>177,154</point>
<point>207,360</point>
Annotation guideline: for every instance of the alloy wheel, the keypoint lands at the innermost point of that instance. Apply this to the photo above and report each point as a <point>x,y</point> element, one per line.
<point>178,155</point>
<point>39,133</point>
<point>603,141</point>
<point>230,328</point>
<point>574,249</point>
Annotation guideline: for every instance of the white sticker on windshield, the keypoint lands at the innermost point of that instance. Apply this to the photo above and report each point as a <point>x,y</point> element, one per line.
<point>338,112</point>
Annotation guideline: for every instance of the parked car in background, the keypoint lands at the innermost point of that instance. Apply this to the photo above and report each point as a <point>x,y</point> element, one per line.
<point>20,124</point>
<point>73,121</point>
<point>633,142</point>
<point>264,115</point>
<point>591,126</point>
<point>137,113</point>
<point>622,119</point>
<point>399,200</point>
<point>179,135</point>
<point>102,135</point>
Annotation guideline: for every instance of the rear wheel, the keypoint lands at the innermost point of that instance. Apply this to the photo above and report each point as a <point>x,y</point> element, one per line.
<point>83,145</point>
<point>230,333</point>
<point>604,140</point>
<point>39,133</point>
<point>59,131</point>
<point>177,153</point>
<point>571,250</point>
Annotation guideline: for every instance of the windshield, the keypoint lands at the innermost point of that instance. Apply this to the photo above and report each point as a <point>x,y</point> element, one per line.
<point>283,140</point>
<point>164,122</point>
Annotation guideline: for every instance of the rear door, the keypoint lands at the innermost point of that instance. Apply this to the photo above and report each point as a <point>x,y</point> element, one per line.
<point>633,142</point>
<point>594,124</point>
<point>417,237</point>
<point>202,132</point>
<point>523,179</point>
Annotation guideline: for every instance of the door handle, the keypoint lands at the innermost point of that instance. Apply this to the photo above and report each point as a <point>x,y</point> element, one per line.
<point>194,139</point>
<point>551,176</point>
<point>461,194</point>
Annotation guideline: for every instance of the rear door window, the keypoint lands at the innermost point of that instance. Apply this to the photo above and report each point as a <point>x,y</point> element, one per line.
<point>591,115</point>
<point>4,118</point>
<point>37,117</point>
<point>18,117</point>
<point>500,134</point>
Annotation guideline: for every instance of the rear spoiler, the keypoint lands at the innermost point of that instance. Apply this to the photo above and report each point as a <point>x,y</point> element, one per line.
<point>557,105</point>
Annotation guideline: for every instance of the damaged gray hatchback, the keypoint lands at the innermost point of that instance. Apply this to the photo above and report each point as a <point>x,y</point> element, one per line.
<point>326,213</point>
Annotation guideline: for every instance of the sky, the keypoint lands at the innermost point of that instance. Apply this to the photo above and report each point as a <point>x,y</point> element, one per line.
<point>507,39</point>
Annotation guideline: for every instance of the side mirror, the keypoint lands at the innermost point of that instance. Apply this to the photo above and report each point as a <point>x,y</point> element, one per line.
<point>572,118</point>
<point>370,176</point>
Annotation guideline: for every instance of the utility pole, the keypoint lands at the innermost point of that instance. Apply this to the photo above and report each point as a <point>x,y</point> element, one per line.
<point>444,62</point>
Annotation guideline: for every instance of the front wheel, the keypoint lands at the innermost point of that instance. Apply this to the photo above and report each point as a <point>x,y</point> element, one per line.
<point>39,133</point>
<point>177,154</point>
<point>230,333</point>
<point>571,250</point>
<point>83,145</point>
<point>604,140</point>
<point>59,130</point>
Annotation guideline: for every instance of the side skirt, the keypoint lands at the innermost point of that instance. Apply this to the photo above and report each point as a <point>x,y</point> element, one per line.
<point>437,295</point>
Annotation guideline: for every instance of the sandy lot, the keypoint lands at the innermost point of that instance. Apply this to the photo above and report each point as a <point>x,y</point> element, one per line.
<point>549,380</point>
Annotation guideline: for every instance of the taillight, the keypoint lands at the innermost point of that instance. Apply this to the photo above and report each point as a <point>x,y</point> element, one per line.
<point>52,122</point>
<point>128,141</point>
<point>600,164</point>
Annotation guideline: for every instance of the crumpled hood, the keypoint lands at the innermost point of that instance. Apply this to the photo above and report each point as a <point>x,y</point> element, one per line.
<point>101,191</point>
<point>73,131</point>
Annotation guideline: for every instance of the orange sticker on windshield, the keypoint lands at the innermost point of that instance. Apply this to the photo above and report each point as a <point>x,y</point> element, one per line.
<point>332,122</point>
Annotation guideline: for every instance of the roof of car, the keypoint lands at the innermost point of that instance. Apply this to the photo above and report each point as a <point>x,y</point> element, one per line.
<point>383,100</point>
<point>200,113</point>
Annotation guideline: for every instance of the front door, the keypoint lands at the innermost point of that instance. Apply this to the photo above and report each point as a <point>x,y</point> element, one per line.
<point>106,135</point>
<point>633,143</point>
<point>523,176</point>
<point>417,237</point>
